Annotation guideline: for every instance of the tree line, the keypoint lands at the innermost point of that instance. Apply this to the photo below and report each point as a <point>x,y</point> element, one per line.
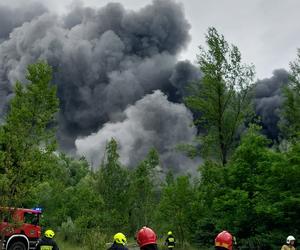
<point>246,184</point>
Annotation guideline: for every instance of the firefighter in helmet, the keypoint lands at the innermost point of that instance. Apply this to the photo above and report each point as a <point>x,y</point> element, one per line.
<point>290,241</point>
<point>170,241</point>
<point>146,239</point>
<point>223,241</point>
<point>119,242</point>
<point>47,241</point>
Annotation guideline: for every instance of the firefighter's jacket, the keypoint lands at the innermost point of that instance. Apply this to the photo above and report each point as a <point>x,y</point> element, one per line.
<point>170,241</point>
<point>46,244</point>
<point>149,247</point>
<point>116,246</point>
<point>287,247</point>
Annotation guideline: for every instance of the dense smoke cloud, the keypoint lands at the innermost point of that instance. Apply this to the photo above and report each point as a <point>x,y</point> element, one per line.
<point>103,59</point>
<point>107,59</point>
<point>183,74</point>
<point>151,122</point>
<point>11,18</point>
<point>268,100</point>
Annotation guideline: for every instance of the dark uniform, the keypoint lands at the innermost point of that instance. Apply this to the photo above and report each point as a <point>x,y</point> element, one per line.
<point>116,246</point>
<point>150,247</point>
<point>170,242</point>
<point>46,244</point>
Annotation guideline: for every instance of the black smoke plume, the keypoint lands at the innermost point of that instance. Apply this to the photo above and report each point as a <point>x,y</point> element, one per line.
<point>103,59</point>
<point>268,100</point>
<point>107,59</point>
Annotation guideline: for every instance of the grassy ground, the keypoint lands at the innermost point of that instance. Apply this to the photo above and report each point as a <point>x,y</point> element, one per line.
<point>67,246</point>
<point>131,246</point>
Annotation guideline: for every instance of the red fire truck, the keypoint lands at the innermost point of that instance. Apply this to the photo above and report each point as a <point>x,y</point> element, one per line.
<point>19,228</point>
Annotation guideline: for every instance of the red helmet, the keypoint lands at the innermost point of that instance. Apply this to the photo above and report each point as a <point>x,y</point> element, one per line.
<point>224,239</point>
<point>146,236</point>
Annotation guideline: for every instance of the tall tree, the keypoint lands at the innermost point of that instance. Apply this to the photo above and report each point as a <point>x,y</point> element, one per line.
<point>290,122</point>
<point>222,96</point>
<point>27,138</point>
<point>143,201</point>
<point>261,196</point>
<point>175,207</point>
<point>113,185</point>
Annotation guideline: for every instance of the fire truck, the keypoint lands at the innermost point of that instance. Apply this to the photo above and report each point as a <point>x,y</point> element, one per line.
<point>19,228</point>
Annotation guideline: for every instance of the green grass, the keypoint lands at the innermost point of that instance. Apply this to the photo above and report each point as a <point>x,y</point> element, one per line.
<point>67,245</point>
<point>131,245</point>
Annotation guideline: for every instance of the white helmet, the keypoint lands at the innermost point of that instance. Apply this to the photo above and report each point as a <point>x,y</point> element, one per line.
<point>289,239</point>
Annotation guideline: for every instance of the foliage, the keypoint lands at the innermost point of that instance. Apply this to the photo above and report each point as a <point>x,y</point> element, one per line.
<point>222,96</point>
<point>143,199</point>
<point>256,197</point>
<point>175,205</point>
<point>113,185</point>
<point>290,115</point>
<point>27,137</point>
<point>95,240</point>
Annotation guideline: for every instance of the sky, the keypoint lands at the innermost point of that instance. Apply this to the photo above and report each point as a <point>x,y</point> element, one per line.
<point>267,32</point>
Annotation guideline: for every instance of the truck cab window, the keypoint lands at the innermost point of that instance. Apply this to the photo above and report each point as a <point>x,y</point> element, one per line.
<point>31,218</point>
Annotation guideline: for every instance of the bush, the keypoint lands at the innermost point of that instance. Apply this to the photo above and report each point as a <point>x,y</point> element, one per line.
<point>70,232</point>
<point>95,240</point>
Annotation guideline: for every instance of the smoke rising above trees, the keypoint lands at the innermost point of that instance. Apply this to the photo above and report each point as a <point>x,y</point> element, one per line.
<point>105,60</point>
<point>147,124</point>
<point>268,100</point>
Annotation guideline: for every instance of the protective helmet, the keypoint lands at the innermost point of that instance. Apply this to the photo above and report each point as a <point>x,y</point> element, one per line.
<point>49,233</point>
<point>120,238</point>
<point>146,236</point>
<point>289,239</point>
<point>224,239</point>
<point>170,233</point>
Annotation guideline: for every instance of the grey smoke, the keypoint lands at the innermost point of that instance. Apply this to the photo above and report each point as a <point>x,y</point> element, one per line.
<point>268,100</point>
<point>183,74</point>
<point>103,59</point>
<point>151,122</point>
<point>107,59</point>
<point>11,18</point>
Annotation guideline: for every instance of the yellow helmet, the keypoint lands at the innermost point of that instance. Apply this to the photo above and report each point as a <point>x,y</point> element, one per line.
<point>170,233</point>
<point>120,238</point>
<point>49,233</point>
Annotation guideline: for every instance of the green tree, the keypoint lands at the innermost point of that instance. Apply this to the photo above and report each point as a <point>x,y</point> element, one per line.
<point>113,185</point>
<point>83,204</point>
<point>75,169</point>
<point>256,197</point>
<point>222,96</point>
<point>290,122</point>
<point>175,206</point>
<point>27,138</point>
<point>143,195</point>
<point>260,198</point>
<point>280,203</point>
<point>244,185</point>
<point>60,194</point>
<point>210,186</point>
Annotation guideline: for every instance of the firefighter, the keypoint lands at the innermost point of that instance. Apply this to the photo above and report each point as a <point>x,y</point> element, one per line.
<point>119,242</point>
<point>146,239</point>
<point>223,241</point>
<point>290,241</point>
<point>47,242</point>
<point>170,241</point>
